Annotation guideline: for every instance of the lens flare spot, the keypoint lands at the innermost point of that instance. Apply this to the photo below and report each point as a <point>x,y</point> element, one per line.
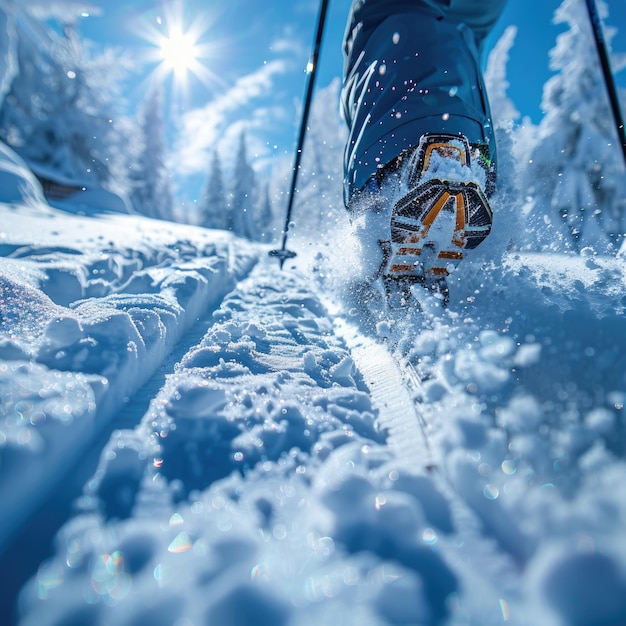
<point>181,543</point>
<point>491,492</point>
<point>259,572</point>
<point>176,520</point>
<point>506,613</point>
<point>509,467</point>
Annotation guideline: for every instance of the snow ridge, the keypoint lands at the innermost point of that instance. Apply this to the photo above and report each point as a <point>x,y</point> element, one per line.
<point>81,333</point>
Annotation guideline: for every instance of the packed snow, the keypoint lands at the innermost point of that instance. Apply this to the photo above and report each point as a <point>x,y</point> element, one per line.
<point>212,440</point>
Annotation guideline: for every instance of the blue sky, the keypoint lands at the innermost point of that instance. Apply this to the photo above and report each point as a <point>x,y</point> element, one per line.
<point>251,60</point>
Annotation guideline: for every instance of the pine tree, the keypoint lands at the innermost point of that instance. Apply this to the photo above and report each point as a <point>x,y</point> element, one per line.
<point>264,216</point>
<point>58,110</point>
<point>152,194</point>
<point>576,166</point>
<point>319,191</point>
<point>503,110</point>
<point>243,193</point>
<point>8,51</point>
<point>214,212</point>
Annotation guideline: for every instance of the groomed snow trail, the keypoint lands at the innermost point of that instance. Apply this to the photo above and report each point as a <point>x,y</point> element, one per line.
<point>129,309</point>
<point>88,317</point>
<point>261,454</point>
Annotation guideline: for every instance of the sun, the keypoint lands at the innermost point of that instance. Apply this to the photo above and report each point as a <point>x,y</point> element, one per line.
<point>179,48</point>
<point>180,53</point>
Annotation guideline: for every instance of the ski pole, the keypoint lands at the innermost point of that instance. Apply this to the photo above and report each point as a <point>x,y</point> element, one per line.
<point>596,26</point>
<point>283,254</point>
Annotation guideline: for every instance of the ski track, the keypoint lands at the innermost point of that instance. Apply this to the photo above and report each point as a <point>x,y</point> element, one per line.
<point>273,358</point>
<point>70,316</point>
<point>33,542</point>
<point>398,410</point>
<point>231,413</point>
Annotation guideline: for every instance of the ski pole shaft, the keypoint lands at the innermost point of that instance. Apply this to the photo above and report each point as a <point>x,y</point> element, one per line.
<point>283,253</point>
<point>603,53</point>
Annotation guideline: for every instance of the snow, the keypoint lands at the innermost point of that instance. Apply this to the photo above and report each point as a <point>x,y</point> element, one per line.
<point>253,469</point>
<point>16,180</point>
<point>211,440</point>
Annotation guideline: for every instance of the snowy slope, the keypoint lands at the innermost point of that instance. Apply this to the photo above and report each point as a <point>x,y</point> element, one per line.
<point>272,478</point>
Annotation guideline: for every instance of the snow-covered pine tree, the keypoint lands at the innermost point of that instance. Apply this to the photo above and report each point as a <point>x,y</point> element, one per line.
<point>213,210</point>
<point>576,171</point>
<point>320,180</point>
<point>58,110</point>
<point>8,50</point>
<point>152,192</point>
<point>264,216</point>
<point>503,109</point>
<point>243,193</point>
<point>505,115</point>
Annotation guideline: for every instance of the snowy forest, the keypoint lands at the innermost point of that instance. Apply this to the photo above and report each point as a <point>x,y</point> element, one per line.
<point>60,112</point>
<point>190,437</point>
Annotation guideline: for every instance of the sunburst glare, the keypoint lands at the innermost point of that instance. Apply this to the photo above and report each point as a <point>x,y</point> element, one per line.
<point>179,52</point>
<point>177,48</point>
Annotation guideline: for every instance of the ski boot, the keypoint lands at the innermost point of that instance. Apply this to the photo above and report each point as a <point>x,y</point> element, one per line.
<point>442,212</point>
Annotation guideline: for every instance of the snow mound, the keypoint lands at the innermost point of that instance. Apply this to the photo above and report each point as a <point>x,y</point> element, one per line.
<point>78,338</point>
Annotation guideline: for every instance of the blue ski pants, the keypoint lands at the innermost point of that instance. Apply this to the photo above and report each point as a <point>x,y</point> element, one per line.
<point>412,67</point>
